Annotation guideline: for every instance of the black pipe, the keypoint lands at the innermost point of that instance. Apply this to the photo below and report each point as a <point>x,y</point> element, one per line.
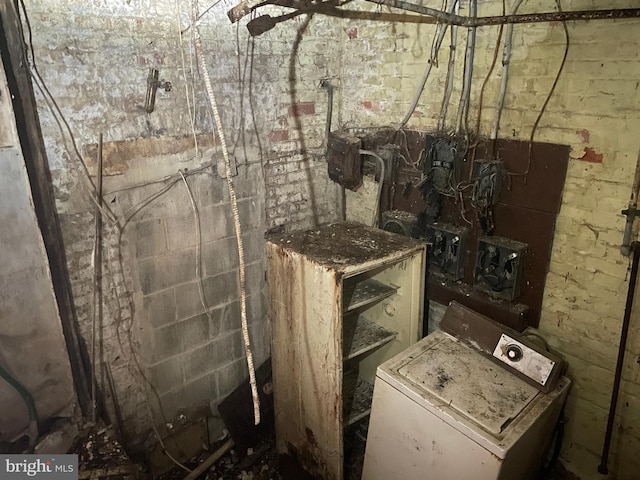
<point>29,402</point>
<point>453,19</point>
<point>602,468</point>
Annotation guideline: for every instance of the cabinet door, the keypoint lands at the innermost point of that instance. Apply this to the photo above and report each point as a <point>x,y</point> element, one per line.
<point>305,308</point>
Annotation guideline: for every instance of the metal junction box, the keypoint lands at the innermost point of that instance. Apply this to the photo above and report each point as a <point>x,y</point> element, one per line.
<point>499,267</point>
<point>448,250</point>
<point>400,222</point>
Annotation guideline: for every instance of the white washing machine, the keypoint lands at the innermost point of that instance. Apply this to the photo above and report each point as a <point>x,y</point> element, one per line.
<point>443,411</point>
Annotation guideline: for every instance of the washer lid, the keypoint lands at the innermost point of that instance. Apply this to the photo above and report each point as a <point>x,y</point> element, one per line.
<point>467,382</point>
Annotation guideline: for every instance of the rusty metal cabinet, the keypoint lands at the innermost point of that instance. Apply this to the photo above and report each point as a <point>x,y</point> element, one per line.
<point>343,298</point>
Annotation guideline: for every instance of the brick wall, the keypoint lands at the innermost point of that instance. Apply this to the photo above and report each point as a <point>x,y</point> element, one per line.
<point>595,110</point>
<point>94,59</point>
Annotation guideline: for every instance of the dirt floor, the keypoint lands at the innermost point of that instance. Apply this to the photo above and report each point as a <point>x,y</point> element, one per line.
<point>101,457</point>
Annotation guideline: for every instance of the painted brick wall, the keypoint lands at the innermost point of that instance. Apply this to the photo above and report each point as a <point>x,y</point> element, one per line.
<point>595,110</point>
<point>94,59</point>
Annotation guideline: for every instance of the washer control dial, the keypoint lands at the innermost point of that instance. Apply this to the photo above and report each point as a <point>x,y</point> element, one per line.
<point>514,352</point>
<point>524,359</point>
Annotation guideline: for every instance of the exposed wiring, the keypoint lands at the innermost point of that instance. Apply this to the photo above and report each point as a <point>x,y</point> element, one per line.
<point>448,90</point>
<point>153,424</point>
<point>189,96</point>
<point>234,209</point>
<point>506,59</point>
<point>56,111</point>
<point>242,75</point>
<point>200,169</point>
<point>481,99</point>
<point>196,220</point>
<point>206,10</point>
<point>380,160</point>
<point>440,31</point>
<point>546,101</point>
<point>252,106</point>
<point>486,81</point>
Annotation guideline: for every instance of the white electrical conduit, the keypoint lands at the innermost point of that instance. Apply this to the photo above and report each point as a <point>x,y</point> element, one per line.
<point>506,57</point>
<point>465,96</point>
<point>380,160</point>
<point>234,209</point>
<point>450,73</point>
<point>442,28</point>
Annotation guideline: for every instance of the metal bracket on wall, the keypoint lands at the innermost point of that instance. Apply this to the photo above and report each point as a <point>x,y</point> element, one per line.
<point>152,87</point>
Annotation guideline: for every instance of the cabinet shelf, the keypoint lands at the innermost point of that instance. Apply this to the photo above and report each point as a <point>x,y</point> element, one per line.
<point>361,335</point>
<point>333,324</point>
<point>357,294</point>
<point>357,394</point>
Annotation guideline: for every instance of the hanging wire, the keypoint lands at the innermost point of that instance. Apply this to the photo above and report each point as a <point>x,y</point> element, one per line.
<point>196,220</point>
<point>190,96</point>
<point>506,59</point>
<point>546,101</point>
<point>60,118</point>
<point>440,31</point>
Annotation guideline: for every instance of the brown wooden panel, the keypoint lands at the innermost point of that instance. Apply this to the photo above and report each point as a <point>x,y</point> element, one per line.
<point>541,188</point>
<point>526,212</point>
<point>513,315</point>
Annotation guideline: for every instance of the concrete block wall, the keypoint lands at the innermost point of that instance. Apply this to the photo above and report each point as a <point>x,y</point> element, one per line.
<point>596,110</point>
<point>94,59</point>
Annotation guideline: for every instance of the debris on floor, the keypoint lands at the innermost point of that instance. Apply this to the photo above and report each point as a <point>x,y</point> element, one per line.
<point>101,456</point>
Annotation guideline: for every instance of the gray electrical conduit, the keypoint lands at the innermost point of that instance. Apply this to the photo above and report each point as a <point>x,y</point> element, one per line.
<point>506,58</point>
<point>381,163</point>
<point>465,95</point>
<point>234,209</point>
<point>28,400</point>
<point>450,74</point>
<point>442,28</point>
<point>328,86</point>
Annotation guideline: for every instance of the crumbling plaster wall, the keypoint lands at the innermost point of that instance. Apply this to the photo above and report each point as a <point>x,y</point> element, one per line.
<point>94,58</point>
<point>596,110</point>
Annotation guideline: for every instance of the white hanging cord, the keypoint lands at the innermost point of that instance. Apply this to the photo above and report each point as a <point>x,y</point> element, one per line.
<point>196,219</point>
<point>234,209</point>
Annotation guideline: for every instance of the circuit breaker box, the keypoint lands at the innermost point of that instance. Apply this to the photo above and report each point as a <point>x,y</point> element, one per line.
<point>499,267</point>
<point>448,249</point>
